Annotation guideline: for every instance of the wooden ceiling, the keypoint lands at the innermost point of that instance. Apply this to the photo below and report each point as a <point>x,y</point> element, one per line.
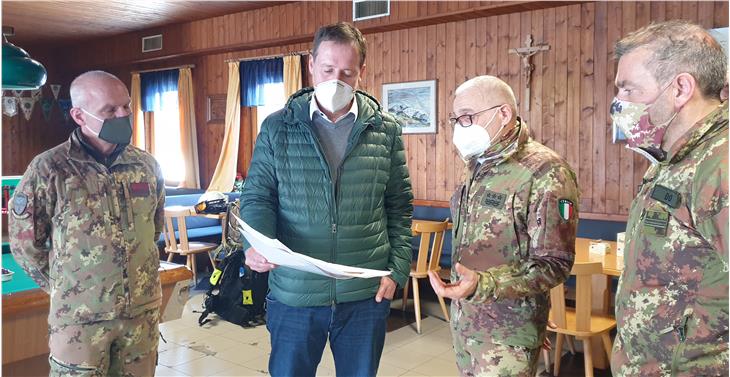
<point>61,22</point>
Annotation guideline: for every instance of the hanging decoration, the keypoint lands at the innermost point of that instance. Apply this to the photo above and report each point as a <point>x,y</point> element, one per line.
<point>46,106</point>
<point>27,104</point>
<point>17,93</point>
<point>55,88</point>
<point>65,105</point>
<point>36,94</point>
<point>10,106</point>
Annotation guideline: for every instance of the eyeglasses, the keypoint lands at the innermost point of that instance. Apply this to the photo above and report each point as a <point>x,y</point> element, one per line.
<point>467,120</point>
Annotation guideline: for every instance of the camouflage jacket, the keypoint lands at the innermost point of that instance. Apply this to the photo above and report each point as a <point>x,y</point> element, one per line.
<point>515,220</point>
<point>672,303</point>
<point>86,234</point>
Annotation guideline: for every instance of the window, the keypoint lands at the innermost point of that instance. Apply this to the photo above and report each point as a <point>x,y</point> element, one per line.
<point>166,139</point>
<point>274,99</point>
<point>162,120</point>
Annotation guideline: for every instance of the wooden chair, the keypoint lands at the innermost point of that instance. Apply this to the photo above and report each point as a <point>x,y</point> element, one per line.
<point>579,321</point>
<point>429,256</point>
<point>181,245</point>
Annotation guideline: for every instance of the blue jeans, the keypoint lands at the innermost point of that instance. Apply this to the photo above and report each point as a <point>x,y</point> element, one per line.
<point>356,332</point>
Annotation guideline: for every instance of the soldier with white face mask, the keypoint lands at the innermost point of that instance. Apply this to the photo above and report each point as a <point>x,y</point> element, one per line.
<point>329,179</point>
<point>515,219</point>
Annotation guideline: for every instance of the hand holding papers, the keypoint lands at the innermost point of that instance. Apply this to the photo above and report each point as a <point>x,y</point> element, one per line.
<point>278,253</point>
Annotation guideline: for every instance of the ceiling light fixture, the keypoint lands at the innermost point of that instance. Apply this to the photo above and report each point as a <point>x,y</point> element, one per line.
<point>20,72</point>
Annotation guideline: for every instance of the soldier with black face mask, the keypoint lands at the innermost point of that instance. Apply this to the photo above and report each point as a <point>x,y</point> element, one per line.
<point>84,223</point>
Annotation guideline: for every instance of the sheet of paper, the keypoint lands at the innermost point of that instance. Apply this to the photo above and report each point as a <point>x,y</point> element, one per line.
<point>278,253</point>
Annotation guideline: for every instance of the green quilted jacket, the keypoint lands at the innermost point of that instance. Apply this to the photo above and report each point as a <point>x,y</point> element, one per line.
<point>362,220</point>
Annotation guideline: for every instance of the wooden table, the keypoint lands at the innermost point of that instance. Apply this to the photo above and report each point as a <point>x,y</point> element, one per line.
<point>25,317</point>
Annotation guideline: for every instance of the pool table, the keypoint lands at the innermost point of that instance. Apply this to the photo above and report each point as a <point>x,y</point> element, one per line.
<point>25,315</point>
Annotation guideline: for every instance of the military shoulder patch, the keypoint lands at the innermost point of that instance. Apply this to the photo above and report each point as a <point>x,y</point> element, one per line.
<point>565,209</point>
<point>20,205</point>
<point>656,222</point>
<point>494,199</point>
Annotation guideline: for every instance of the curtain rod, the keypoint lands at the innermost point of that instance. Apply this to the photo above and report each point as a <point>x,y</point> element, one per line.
<point>267,57</point>
<point>165,69</point>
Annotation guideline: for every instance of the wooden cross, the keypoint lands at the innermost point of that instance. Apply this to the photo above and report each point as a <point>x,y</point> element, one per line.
<point>526,54</point>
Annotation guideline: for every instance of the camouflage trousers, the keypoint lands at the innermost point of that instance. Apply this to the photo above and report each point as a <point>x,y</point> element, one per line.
<point>475,358</point>
<point>121,347</point>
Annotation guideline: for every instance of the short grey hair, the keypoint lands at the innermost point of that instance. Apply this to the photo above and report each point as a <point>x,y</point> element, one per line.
<point>79,89</point>
<point>491,88</point>
<point>679,46</point>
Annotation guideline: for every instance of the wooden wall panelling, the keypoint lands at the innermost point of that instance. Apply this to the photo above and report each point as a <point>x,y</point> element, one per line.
<point>536,102</point>
<point>572,136</point>
<point>721,14</point>
<point>587,108</point>
<point>424,151</point>
<point>455,33</point>
<point>443,141</point>
<point>599,121</point>
<point>514,64</point>
<point>561,79</point>
<point>704,13</point>
<point>626,157</point>
<point>548,78</point>
<point>525,29</point>
<point>612,152</point>
<point>430,73</point>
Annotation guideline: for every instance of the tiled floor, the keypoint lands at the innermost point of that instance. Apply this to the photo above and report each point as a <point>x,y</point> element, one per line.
<point>223,349</point>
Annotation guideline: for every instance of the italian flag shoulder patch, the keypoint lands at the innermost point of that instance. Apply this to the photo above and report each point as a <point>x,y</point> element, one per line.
<point>565,209</point>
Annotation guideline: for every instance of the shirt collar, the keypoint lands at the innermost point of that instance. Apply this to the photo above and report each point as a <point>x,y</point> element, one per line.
<point>314,110</point>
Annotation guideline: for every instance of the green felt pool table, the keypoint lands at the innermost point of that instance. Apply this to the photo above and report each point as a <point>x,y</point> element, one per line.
<point>25,315</point>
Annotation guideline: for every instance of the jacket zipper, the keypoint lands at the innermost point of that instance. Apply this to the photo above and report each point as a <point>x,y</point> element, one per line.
<point>463,222</point>
<point>681,330</point>
<point>333,210</point>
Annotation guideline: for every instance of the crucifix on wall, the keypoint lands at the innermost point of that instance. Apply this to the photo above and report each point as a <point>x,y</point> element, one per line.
<point>526,53</point>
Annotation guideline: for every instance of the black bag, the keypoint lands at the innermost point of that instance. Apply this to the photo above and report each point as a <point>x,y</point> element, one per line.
<point>237,294</point>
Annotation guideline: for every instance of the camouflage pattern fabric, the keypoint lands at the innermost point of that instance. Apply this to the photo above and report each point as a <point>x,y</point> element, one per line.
<point>122,347</point>
<point>515,220</point>
<point>86,234</point>
<point>642,135</point>
<point>672,302</point>
<point>474,358</point>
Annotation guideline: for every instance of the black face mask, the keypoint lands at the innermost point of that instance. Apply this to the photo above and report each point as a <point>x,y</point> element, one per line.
<point>113,130</point>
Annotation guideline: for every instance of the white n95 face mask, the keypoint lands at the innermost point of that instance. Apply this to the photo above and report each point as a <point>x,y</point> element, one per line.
<point>333,95</point>
<point>472,141</point>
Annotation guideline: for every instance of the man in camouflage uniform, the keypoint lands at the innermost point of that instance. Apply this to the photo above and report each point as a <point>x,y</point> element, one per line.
<point>515,220</point>
<point>83,225</point>
<point>672,302</point>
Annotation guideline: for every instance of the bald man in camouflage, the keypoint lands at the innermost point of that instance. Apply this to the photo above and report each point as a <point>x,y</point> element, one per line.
<point>84,223</point>
<point>515,219</point>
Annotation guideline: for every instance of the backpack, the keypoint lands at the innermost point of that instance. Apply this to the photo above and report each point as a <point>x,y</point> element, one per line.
<point>237,294</point>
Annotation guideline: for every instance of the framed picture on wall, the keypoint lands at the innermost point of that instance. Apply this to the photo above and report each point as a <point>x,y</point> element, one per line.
<point>414,104</point>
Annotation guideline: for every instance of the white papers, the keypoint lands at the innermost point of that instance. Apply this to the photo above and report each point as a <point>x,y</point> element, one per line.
<point>278,253</point>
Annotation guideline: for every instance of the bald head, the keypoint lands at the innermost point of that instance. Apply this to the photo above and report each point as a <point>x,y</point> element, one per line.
<point>94,84</point>
<point>488,89</point>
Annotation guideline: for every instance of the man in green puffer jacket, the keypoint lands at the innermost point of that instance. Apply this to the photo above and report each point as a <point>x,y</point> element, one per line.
<point>329,179</point>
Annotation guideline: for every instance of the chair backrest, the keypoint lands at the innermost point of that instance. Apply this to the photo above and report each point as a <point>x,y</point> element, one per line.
<point>177,213</point>
<point>427,247</point>
<point>583,291</point>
